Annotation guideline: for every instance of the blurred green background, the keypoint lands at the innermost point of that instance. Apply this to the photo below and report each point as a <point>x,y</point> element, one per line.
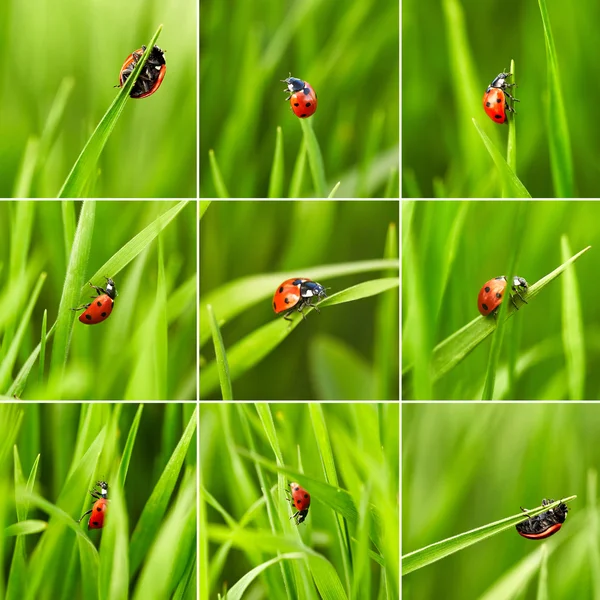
<point>348,52</point>
<point>454,247</point>
<point>116,359</point>
<point>356,443</point>
<point>152,151</point>
<point>466,466</point>
<point>451,52</point>
<point>239,239</point>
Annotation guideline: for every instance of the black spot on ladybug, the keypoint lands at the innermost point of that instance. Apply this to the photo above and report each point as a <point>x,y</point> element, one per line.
<point>88,317</point>
<point>96,523</point>
<point>497,116</point>
<point>484,306</point>
<point>298,503</point>
<point>488,104</point>
<point>498,295</point>
<point>103,314</point>
<point>281,289</point>
<point>487,288</point>
<point>98,303</point>
<point>498,100</point>
<point>296,103</point>
<point>303,116</point>
<point>286,300</point>
<point>274,305</point>
<point>99,509</point>
<point>306,495</point>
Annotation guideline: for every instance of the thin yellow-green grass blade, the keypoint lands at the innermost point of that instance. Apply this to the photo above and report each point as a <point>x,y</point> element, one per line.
<point>572,328</point>
<point>315,159</point>
<point>297,182</point>
<point>512,185</point>
<point>561,159</point>
<point>221,356</point>
<point>444,548</point>
<point>76,274</point>
<point>87,162</point>
<point>276,180</point>
<point>8,362</point>
<point>218,180</point>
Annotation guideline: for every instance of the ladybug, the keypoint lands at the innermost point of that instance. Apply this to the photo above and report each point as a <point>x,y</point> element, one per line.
<point>99,509</point>
<point>303,98</point>
<point>99,310</point>
<point>495,101</point>
<point>545,524</point>
<point>490,295</point>
<point>295,294</point>
<point>151,76</point>
<point>300,502</point>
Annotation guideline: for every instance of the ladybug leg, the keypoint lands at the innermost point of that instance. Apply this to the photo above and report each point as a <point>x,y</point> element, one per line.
<point>99,290</point>
<point>518,294</point>
<point>83,306</point>
<point>84,515</point>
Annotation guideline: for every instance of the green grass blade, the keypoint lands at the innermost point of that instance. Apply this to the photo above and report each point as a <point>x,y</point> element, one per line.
<point>16,389</point>
<point>315,159</point>
<point>24,179</point>
<point>277,170</point>
<point>385,346</point>
<point>76,274</point>
<point>178,532</point>
<point>572,328</point>
<point>561,159</point>
<point>204,204</point>
<point>156,506</point>
<point>439,550</point>
<point>334,189</point>
<point>455,348</point>
<point>218,181</point>
<point>86,164</point>
<point>297,181</point>
<point>515,580</point>
<point>8,362</point>
<point>510,182</point>
<point>250,350</point>
<point>241,585</point>
<point>511,145</point>
<point>221,356</point>
<point>235,297</point>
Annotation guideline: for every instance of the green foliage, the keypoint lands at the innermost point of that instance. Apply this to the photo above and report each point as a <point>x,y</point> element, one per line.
<point>145,350</point>
<point>449,59</point>
<point>54,555</point>
<point>60,122</point>
<point>547,346</point>
<point>466,467</point>
<point>344,455</point>
<point>266,243</point>
<point>252,144</point>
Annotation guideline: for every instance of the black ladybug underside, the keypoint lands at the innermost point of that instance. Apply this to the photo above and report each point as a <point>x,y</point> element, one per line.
<point>147,79</point>
<point>544,521</point>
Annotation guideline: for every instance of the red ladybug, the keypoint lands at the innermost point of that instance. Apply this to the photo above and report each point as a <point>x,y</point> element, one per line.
<point>490,295</point>
<point>545,524</point>
<point>99,509</point>
<point>300,502</point>
<point>99,310</point>
<point>151,76</point>
<point>303,98</point>
<point>296,293</point>
<point>495,101</point>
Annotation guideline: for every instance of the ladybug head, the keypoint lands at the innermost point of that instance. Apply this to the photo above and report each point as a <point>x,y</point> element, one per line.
<point>103,488</point>
<point>111,290</point>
